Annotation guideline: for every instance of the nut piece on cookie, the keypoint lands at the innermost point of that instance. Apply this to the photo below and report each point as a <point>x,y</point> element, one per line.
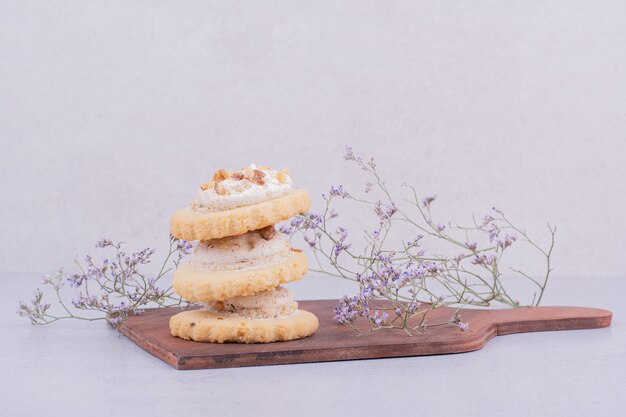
<point>268,232</point>
<point>221,175</point>
<point>258,177</point>
<point>238,176</point>
<point>207,185</point>
<point>282,176</point>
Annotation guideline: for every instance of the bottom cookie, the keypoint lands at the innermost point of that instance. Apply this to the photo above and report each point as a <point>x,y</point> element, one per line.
<point>207,326</point>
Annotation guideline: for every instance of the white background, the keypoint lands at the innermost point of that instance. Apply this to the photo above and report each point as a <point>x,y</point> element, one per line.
<point>113,112</point>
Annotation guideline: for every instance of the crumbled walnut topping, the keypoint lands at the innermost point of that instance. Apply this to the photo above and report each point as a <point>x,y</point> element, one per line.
<point>257,177</point>
<point>221,175</point>
<point>238,176</point>
<point>207,185</point>
<point>267,232</point>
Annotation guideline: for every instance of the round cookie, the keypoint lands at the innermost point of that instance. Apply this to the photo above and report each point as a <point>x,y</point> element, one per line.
<point>190,224</point>
<point>204,286</point>
<point>207,326</point>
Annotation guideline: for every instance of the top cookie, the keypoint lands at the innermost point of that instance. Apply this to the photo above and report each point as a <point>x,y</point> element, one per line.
<point>236,202</point>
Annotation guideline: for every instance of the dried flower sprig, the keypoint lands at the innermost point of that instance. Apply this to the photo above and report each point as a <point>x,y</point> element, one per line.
<point>409,280</point>
<point>111,289</point>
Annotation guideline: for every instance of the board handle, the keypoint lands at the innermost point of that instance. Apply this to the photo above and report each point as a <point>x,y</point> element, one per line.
<point>537,319</point>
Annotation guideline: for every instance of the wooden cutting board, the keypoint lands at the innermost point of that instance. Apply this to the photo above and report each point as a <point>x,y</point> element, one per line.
<point>335,342</point>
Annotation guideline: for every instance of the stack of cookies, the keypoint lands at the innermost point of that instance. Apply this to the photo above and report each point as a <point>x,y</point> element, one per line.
<point>241,260</point>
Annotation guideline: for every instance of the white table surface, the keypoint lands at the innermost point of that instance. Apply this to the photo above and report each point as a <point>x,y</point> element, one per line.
<point>76,368</point>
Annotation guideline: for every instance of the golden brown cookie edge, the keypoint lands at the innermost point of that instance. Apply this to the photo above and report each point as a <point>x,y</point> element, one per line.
<point>191,225</point>
<point>207,326</point>
<point>204,286</point>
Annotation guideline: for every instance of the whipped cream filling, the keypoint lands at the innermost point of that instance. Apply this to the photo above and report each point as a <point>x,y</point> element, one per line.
<point>249,250</point>
<point>266,304</point>
<point>243,192</point>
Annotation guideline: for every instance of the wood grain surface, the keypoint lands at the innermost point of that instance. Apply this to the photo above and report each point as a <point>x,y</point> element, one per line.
<point>335,342</point>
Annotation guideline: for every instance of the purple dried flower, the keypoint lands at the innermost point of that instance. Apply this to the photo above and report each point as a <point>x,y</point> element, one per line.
<point>184,246</point>
<point>507,241</point>
<point>287,229</point>
<point>76,280</point>
<point>471,246</point>
<point>378,318</point>
<point>375,235</point>
<point>338,191</point>
<point>312,241</point>
<point>348,310</point>
<point>413,307</point>
<point>313,220</point>
<point>485,259</point>
<point>415,242</point>
<point>338,248</point>
<point>487,219</point>
<point>84,302</point>
<point>426,201</point>
<point>385,211</point>
<point>348,154</point>
<point>103,243</point>
<point>493,231</point>
<point>431,267</point>
<point>113,286</point>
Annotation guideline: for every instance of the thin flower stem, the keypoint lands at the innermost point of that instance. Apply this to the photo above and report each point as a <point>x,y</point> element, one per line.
<point>121,287</point>
<point>408,276</point>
